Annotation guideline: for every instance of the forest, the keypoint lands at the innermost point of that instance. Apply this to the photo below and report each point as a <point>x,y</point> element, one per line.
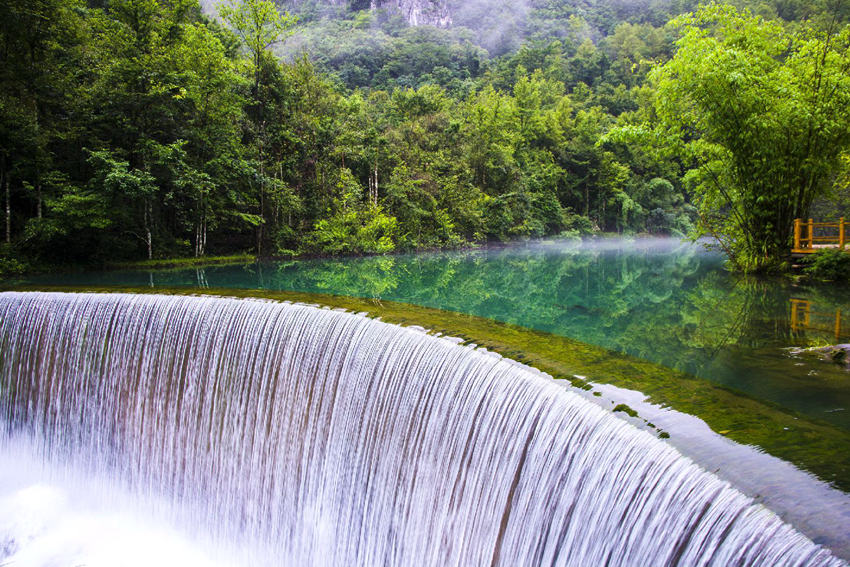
<point>143,129</point>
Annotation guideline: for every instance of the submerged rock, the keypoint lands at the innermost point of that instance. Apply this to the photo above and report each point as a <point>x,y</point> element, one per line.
<point>839,354</point>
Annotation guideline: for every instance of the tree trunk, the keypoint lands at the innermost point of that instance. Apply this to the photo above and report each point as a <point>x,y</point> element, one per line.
<point>148,235</point>
<point>201,238</point>
<point>8,213</point>
<point>262,217</point>
<point>602,218</point>
<point>201,230</point>
<point>262,190</point>
<point>375,194</point>
<point>586,200</point>
<point>38,196</point>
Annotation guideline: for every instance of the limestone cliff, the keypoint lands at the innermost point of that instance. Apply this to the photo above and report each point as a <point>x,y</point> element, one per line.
<point>416,12</point>
<point>420,12</point>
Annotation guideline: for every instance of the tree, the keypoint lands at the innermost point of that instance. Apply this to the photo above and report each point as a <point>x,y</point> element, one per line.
<point>354,225</point>
<point>764,113</point>
<point>213,130</point>
<point>260,25</point>
<point>121,183</point>
<point>39,41</point>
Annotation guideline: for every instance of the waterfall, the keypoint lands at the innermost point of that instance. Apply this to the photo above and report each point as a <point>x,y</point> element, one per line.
<point>321,437</point>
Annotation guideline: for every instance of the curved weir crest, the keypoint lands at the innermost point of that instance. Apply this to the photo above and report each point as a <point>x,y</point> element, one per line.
<point>318,437</point>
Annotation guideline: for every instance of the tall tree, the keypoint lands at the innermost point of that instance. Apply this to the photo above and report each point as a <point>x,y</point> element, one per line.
<point>764,112</point>
<point>260,25</point>
<point>38,49</point>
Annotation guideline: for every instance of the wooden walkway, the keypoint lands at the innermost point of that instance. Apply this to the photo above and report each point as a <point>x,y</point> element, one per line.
<point>810,236</point>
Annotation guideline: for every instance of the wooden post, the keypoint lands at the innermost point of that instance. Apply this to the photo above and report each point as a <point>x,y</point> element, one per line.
<point>841,234</point>
<point>811,233</point>
<point>838,325</point>
<point>797,229</point>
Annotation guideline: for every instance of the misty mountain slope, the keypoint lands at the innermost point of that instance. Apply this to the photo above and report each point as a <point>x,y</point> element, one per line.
<point>420,12</point>
<point>372,44</point>
<point>436,13</point>
<point>491,16</point>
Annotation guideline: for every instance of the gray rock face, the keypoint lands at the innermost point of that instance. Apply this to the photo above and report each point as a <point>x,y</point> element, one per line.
<point>419,12</point>
<point>416,12</point>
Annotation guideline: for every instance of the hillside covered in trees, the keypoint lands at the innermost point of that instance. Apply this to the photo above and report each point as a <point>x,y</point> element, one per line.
<point>134,129</point>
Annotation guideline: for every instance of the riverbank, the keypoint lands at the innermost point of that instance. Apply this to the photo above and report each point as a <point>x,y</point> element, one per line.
<point>11,268</point>
<point>191,262</point>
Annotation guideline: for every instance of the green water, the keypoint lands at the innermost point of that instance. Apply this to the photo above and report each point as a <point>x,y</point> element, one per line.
<point>661,300</point>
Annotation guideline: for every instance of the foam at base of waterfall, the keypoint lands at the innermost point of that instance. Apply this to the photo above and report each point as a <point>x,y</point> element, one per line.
<point>53,516</point>
<point>314,437</point>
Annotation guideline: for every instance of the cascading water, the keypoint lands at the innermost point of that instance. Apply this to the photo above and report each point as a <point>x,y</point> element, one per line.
<point>315,437</point>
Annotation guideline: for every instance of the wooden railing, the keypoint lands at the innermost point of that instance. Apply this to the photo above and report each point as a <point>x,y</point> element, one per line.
<point>810,236</point>
<point>804,318</point>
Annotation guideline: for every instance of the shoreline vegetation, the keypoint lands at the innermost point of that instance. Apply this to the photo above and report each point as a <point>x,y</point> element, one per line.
<point>141,129</point>
<point>183,262</point>
<point>825,267</point>
<point>814,446</point>
<point>178,262</point>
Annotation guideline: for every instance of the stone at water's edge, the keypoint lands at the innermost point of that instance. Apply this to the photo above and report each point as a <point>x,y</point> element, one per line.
<point>326,438</point>
<point>839,354</point>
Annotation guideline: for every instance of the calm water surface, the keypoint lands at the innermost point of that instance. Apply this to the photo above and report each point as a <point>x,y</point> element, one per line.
<point>662,300</point>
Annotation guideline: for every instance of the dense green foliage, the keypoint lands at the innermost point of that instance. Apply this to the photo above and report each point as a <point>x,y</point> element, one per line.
<point>771,112</point>
<point>134,129</point>
<point>830,265</point>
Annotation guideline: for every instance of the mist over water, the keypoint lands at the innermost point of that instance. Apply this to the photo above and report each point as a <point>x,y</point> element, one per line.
<point>310,436</point>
